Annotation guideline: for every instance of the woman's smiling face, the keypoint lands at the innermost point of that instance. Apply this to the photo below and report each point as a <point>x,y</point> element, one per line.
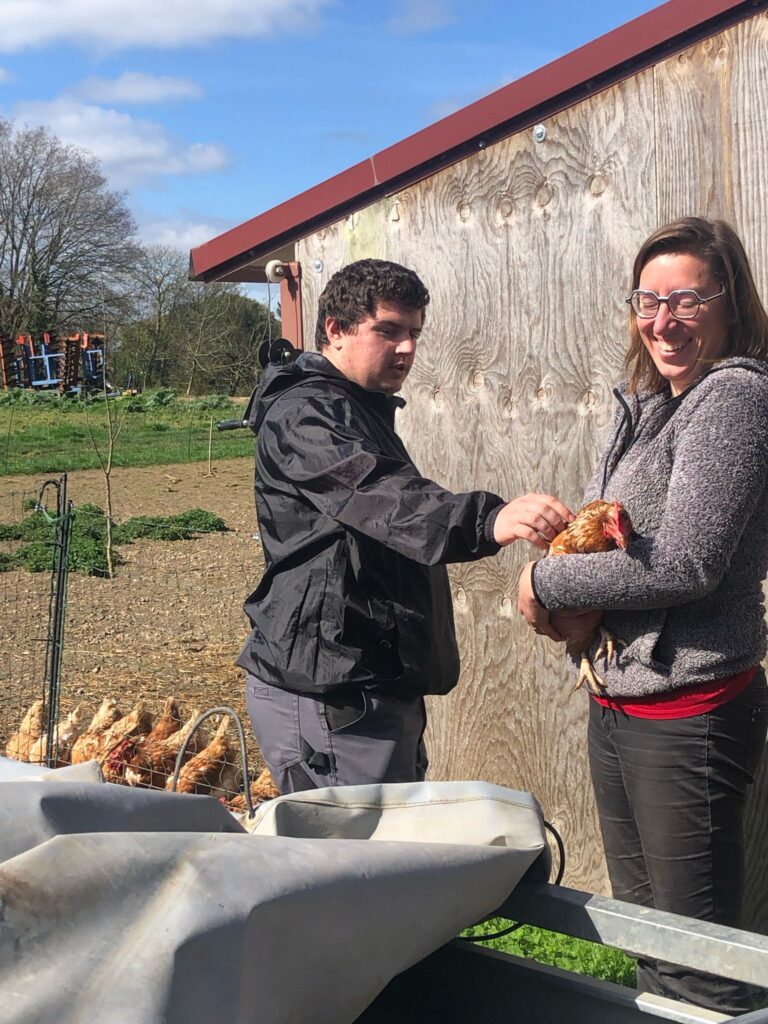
<point>682,350</point>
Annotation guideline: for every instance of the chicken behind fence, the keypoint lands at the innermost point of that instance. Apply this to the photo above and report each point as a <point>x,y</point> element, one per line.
<point>215,770</point>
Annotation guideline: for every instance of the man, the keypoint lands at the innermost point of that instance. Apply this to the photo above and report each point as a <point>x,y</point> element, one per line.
<point>353,620</point>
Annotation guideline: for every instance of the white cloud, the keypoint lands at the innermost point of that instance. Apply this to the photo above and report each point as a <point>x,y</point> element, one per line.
<point>183,232</point>
<point>415,16</point>
<point>115,24</point>
<point>137,87</point>
<point>132,151</point>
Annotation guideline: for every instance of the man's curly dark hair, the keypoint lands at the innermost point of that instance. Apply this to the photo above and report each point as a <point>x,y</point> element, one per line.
<point>353,292</point>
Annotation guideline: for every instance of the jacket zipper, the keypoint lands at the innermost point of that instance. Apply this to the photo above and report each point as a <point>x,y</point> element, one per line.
<point>626,418</point>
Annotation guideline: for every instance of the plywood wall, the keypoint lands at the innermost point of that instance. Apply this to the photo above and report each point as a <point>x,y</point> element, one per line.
<point>526,248</point>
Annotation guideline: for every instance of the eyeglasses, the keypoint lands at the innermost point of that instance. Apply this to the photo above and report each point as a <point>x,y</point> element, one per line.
<point>683,303</point>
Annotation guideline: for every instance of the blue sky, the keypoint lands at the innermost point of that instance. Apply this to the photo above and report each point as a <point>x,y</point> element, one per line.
<point>208,112</point>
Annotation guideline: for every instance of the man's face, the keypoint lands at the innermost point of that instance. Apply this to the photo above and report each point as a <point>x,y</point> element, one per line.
<point>378,352</point>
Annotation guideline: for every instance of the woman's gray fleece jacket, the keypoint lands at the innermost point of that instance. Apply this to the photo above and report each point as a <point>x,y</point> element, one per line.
<point>687,595</point>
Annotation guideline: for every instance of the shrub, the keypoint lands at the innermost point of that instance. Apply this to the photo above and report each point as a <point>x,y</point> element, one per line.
<point>35,557</point>
<point>88,541</point>
<point>153,527</point>
<point>197,520</point>
<point>160,399</point>
<point>179,527</point>
<point>89,555</point>
<point>211,403</point>
<point>32,528</point>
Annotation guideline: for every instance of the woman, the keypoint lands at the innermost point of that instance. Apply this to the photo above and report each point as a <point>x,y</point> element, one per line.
<point>676,738</point>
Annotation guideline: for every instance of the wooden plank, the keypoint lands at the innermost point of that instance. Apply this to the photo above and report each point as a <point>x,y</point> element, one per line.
<point>527,341</point>
<point>527,251</point>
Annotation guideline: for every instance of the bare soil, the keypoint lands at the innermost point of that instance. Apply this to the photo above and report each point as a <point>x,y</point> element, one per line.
<point>170,622</point>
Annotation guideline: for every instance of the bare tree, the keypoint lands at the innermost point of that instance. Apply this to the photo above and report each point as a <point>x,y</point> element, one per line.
<point>114,421</point>
<point>184,334</point>
<point>203,324</point>
<point>250,324</point>
<point>61,232</point>
<point>159,281</point>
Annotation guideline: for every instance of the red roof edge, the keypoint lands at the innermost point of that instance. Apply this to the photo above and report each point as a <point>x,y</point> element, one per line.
<point>581,73</point>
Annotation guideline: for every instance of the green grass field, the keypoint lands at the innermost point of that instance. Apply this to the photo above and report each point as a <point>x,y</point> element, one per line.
<point>47,433</point>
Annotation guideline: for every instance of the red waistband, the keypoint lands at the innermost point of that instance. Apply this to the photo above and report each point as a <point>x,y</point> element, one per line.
<point>684,703</point>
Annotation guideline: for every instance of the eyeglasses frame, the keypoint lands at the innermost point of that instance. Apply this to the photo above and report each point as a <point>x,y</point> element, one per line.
<point>666,298</point>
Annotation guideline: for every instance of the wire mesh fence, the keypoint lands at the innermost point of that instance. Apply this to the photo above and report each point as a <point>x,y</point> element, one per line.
<point>24,639</point>
<point>145,651</point>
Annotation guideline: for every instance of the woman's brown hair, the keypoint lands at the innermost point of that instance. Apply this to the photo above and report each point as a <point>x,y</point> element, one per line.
<point>720,247</point>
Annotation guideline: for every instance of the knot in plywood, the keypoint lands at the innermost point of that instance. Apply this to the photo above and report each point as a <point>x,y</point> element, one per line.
<point>506,207</point>
<point>465,210</point>
<point>544,194</point>
<point>509,409</point>
<point>598,184</point>
<point>461,599</point>
<point>477,381</point>
<point>438,397</point>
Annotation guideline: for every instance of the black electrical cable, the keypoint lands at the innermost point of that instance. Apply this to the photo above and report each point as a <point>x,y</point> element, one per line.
<point>558,879</point>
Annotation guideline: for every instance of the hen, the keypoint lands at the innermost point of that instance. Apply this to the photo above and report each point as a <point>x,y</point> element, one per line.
<point>87,746</point>
<point>118,740</point>
<point>30,730</point>
<point>263,788</point>
<point>151,759</point>
<point>599,526</point>
<point>64,736</point>
<point>214,770</point>
<point>169,722</point>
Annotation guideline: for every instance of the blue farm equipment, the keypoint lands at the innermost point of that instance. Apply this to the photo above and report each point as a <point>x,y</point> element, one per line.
<point>69,364</point>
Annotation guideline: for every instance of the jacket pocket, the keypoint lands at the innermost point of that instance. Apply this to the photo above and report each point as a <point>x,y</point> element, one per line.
<point>343,710</point>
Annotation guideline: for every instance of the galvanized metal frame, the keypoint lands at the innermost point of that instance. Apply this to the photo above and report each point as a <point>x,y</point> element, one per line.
<point>462,982</point>
<point>730,952</point>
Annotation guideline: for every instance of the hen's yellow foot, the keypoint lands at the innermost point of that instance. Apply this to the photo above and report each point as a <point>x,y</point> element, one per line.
<point>588,675</point>
<point>608,645</point>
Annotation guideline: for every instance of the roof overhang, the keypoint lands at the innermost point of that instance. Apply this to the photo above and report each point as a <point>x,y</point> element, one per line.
<point>241,253</point>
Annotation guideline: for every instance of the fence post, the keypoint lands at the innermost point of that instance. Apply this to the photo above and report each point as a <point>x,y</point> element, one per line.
<point>54,644</point>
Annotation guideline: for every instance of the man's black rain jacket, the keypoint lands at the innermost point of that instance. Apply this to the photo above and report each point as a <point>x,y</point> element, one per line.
<point>355,592</point>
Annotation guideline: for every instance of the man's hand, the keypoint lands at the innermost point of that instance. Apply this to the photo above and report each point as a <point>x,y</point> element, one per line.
<point>534,614</point>
<point>534,517</point>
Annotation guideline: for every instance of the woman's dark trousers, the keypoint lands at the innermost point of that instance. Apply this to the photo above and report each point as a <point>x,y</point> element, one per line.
<point>670,796</point>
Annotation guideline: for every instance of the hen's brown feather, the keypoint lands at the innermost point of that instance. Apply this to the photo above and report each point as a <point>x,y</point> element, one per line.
<point>586,534</point>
